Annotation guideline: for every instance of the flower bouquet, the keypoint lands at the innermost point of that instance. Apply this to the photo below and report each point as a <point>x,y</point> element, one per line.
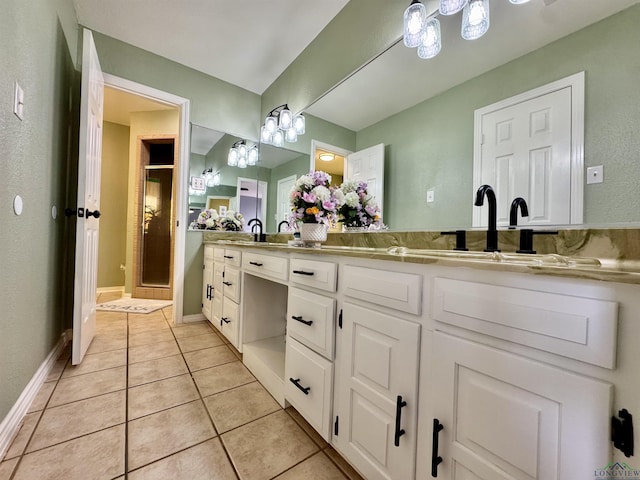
<point>231,222</point>
<point>313,206</point>
<point>357,208</point>
<point>313,200</point>
<point>207,220</point>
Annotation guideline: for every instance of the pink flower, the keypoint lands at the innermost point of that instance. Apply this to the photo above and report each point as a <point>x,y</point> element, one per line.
<point>309,197</point>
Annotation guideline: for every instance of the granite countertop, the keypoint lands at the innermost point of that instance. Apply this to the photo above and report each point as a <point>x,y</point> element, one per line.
<point>611,255</point>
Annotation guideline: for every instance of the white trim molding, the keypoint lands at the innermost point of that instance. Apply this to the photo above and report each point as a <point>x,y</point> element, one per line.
<point>11,424</point>
<point>114,289</point>
<point>197,317</point>
<point>181,217</point>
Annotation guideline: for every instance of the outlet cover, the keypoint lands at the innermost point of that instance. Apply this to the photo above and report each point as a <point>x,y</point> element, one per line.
<point>18,101</point>
<point>430,196</point>
<point>595,174</point>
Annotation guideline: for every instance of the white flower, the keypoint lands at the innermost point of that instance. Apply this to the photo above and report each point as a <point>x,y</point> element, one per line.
<point>210,223</point>
<point>349,186</point>
<point>305,181</point>
<point>338,194</point>
<point>321,193</point>
<point>351,199</point>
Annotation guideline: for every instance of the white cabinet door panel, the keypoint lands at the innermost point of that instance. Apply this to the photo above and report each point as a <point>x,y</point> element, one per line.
<point>506,416</point>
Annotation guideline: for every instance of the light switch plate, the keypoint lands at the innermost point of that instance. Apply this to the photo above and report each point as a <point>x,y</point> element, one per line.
<point>595,174</point>
<point>18,101</point>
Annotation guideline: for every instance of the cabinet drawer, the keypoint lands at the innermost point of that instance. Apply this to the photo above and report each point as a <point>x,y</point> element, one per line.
<point>218,254</point>
<point>230,321</point>
<point>308,385</point>
<point>311,320</point>
<point>581,328</point>
<point>232,257</point>
<point>231,284</point>
<point>216,311</point>
<point>400,291</point>
<point>271,266</point>
<point>322,275</point>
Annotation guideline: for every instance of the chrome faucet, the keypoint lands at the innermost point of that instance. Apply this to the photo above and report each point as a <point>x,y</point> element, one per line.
<point>492,231</point>
<point>256,223</point>
<point>513,213</point>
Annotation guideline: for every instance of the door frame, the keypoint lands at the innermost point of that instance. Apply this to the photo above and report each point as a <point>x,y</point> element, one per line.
<point>317,145</point>
<point>181,176</point>
<point>290,178</point>
<point>576,83</point>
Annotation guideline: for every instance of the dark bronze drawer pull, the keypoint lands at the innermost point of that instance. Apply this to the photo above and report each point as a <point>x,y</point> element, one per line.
<point>302,272</point>
<point>255,263</point>
<point>296,382</point>
<point>300,319</point>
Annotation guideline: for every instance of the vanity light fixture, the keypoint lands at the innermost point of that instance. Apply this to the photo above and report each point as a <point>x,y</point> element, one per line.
<point>280,125</point>
<point>451,7</point>
<point>423,31</point>
<point>241,155</point>
<point>211,178</point>
<point>326,157</point>
<point>475,19</point>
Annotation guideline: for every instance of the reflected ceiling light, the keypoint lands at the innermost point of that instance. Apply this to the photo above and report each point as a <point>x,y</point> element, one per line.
<point>451,7</point>
<point>211,178</point>
<point>326,157</point>
<point>241,155</point>
<point>431,41</point>
<point>518,2</point>
<point>280,125</point>
<point>475,19</point>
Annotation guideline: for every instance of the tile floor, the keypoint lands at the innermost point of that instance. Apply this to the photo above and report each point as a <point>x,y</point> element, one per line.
<point>154,402</point>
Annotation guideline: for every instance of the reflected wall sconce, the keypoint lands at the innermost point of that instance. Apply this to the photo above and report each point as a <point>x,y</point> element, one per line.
<point>423,32</point>
<point>211,178</point>
<point>242,155</point>
<point>280,125</point>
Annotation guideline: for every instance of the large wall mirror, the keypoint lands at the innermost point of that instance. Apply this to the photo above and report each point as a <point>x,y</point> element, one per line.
<point>423,110</point>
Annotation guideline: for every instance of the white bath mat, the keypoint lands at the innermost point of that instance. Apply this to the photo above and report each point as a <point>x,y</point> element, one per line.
<point>133,305</point>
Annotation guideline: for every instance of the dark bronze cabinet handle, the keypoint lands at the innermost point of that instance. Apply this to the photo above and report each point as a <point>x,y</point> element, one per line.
<point>255,263</point>
<point>302,272</point>
<point>95,213</point>
<point>301,320</point>
<point>296,382</point>
<point>230,257</point>
<point>228,284</point>
<point>225,320</point>
<point>435,459</point>
<point>399,431</point>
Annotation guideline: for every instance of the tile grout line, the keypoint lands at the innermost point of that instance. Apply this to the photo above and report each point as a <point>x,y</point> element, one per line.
<point>126,408</point>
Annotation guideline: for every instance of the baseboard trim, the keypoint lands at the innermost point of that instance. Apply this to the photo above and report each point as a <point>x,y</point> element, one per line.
<point>198,317</point>
<point>11,424</point>
<point>110,289</point>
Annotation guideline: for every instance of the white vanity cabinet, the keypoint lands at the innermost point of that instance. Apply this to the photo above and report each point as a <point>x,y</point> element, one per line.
<point>500,414</point>
<point>376,399</point>
<point>207,282</point>
<point>226,294</point>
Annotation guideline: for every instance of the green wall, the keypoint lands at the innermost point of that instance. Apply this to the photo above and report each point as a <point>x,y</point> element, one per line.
<point>33,165</point>
<point>112,243</point>
<point>298,167</point>
<point>193,261</point>
<point>430,146</point>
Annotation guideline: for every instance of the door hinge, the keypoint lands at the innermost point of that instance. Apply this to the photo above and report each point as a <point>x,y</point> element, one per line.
<point>340,319</point>
<point>622,432</point>
<point>223,274</point>
<point>335,426</point>
<point>177,223</point>
<point>203,266</point>
<point>202,305</point>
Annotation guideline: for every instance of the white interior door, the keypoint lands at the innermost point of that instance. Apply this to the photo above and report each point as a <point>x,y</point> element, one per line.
<point>284,189</point>
<point>368,165</point>
<point>532,146</point>
<point>88,202</point>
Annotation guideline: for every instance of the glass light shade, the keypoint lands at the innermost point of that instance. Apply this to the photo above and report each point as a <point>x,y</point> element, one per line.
<point>431,42</point>
<point>278,138</point>
<point>451,7</point>
<point>291,135</point>
<point>265,135</point>
<point>286,119</point>
<point>415,17</point>
<point>299,124</point>
<point>242,151</point>
<point>271,124</point>
<point>519,2</point>
<point>208,179</point>
<point>252,156</point>
<point>242,162</point>
<point>232,159</point>
<point>216,179</point>
<point>475,19</point>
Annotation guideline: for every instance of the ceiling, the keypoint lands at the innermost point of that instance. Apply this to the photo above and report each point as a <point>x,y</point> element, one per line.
<point>248,43</point>
<point>119,105</point>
